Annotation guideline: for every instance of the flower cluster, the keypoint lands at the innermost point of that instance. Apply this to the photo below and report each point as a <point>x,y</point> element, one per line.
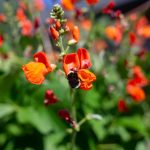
<point>134,85</point>
<point>75,65</point>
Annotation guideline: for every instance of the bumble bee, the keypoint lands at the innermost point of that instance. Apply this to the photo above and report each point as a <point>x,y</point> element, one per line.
<point>73,79</point>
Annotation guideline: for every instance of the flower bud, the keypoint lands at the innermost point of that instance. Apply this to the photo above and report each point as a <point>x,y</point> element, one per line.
<point>54,33</point>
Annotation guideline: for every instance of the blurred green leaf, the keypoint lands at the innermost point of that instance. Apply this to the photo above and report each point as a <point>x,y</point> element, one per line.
<point>6,109</point>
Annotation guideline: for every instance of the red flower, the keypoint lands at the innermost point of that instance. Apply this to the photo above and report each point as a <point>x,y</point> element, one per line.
<point>64,114</point>
<point>75,66</point>
<point>92,2</point>
<point>50,98</point>
<point>109,10</point>
<point>122,106</point>
<point>36,23</point>
<point>1,40</point>
<point>26,27</point>
<point>132,38</point>
<point>35,71</point>
<point>68,4</point>
<point>139,77</point>
<point>54,33</point>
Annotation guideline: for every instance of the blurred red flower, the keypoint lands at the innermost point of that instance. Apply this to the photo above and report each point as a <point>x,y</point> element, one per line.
<point>64,114</point>
<point>122,106</point>
<point>76,67</point>
<point>50,98</point>
<point>92,2</point>
<point>1,40</point>
<point>26,27</point>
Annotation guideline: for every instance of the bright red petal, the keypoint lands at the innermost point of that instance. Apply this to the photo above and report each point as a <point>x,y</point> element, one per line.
<point>92,2</point>
<point>84,58</point>
<point>41,57</point>
<point>71,63</point>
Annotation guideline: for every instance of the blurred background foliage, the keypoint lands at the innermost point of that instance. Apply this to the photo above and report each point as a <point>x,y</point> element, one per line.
<point>25,122</point>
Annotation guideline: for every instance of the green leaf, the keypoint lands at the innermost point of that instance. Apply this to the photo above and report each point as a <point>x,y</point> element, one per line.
<point>6,109</point>
<point>37,117</point>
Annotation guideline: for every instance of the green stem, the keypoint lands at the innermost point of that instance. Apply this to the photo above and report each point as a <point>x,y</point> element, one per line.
<point>61,45</point>
<point>73,112</point>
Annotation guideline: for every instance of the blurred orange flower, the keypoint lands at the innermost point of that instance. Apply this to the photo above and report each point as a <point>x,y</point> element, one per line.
<point>113,33</point>
<point>76,68</point>
<point>68,4</point>
<point>144,31</point>
<point>136,92</point>
<point>134,86</point>
<point>35,71</point>
<point>20,15</point>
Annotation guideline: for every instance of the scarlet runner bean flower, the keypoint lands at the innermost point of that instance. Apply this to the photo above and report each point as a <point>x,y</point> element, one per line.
<point>76,67</point>
<point>64,114</point>
<point>50,98</point>
<point>92,2</point>
<point>35,71</point>
<point>122,106</point>
<point>134,86</point>
<point>1,40</point>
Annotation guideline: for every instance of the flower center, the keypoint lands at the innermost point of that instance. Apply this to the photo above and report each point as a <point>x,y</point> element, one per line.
<point>73,79</point>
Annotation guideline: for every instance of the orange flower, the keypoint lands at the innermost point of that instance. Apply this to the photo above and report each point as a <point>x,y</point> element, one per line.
<point>136,92</point>
<point>20,15</point>
<point>144,31</point>
<point>92,2</point>
<point>86,24</point>
<point>76,68</point>
<point>35,71</point>
<point>67,4</point>
<point>113,33</point>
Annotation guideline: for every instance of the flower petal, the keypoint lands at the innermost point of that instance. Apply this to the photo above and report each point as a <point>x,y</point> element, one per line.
<point>34,72</point>
<point>71,63</point>
<point>76,33</point>
<point>42,58</point>
<point>86,78</point>
<point>84,58</point>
